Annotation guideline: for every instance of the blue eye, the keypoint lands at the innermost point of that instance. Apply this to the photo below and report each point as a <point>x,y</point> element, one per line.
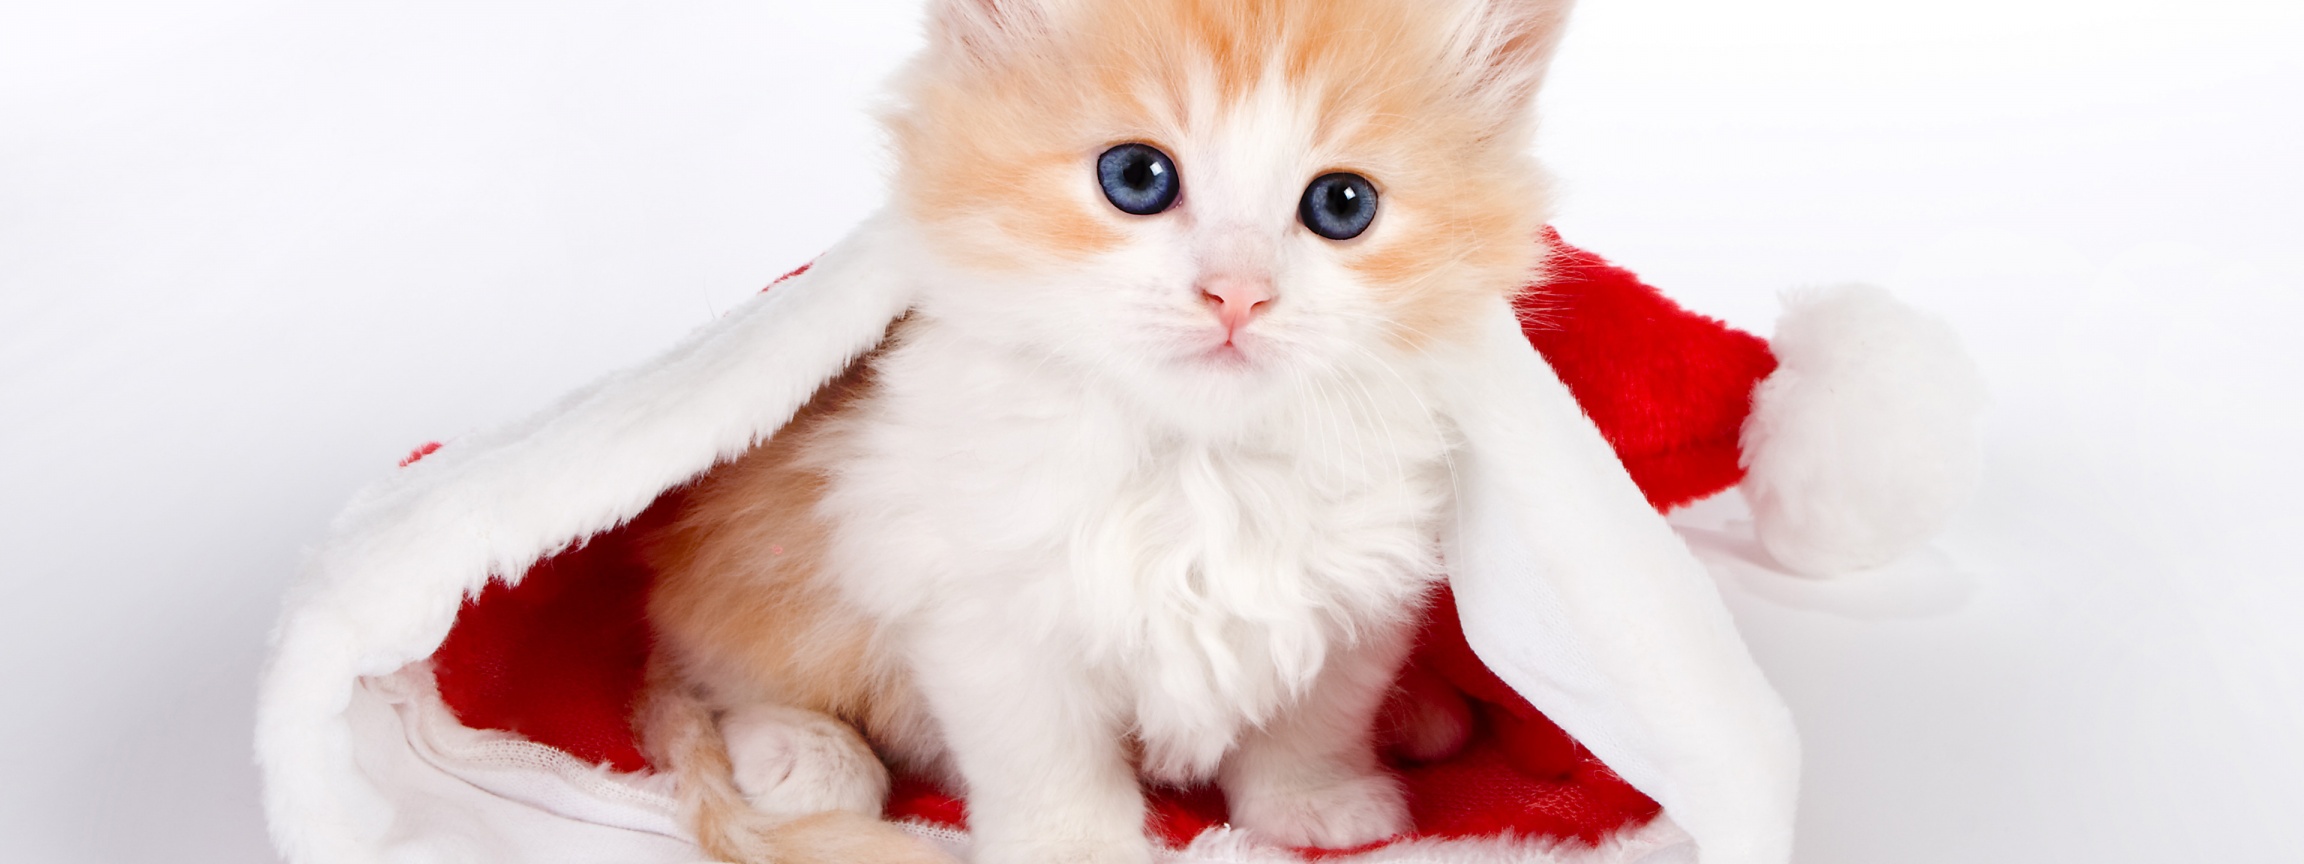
<point>1338,206</point>
<point>1138,179</point>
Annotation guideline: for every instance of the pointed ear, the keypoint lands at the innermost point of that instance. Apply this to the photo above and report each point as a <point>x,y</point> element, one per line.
<point>982,30</point>
<point>1506,47</point>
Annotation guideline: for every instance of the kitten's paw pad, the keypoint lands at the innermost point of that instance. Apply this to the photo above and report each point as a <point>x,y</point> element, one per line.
<point>1354,811</point>
<point>794,763</point>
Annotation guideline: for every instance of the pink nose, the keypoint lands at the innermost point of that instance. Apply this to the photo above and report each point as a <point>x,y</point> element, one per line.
<point>1236,299</point>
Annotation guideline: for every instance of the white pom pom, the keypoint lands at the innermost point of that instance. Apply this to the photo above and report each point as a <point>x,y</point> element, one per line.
<point>1864,440</point>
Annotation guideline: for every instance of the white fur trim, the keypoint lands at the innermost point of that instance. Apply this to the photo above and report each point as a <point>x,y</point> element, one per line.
<point>1575,591</point>
<point>1864,440</point>
<point>384,588</point>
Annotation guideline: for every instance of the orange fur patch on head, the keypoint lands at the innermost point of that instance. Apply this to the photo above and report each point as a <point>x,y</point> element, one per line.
<point>996,144</point>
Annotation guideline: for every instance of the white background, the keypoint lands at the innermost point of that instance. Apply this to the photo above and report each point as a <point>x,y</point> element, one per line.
<point>251,253</point>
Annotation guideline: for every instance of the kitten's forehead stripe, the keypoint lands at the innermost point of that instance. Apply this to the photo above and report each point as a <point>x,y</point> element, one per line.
<point>995,154</point>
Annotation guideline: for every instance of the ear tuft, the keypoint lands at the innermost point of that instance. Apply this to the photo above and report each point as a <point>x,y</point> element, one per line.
<point>1506,47</point>
<point>982,29</point>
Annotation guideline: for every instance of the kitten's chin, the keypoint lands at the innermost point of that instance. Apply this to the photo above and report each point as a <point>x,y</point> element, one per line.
<point>1226,359</point>
<point>1214,392</point>
<point>1247,368</point>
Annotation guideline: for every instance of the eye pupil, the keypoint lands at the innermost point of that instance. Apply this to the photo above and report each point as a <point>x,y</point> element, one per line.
<point>1338,206</point>
<point>1140,173</point>
<point>1138,178</point>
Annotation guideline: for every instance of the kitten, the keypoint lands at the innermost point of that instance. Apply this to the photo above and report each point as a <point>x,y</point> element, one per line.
<point>1144,485</point>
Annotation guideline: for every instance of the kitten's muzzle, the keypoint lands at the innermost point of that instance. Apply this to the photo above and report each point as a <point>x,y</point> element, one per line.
<point>1236,300</point>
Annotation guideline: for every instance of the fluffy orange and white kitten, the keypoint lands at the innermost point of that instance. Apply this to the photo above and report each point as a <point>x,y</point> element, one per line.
<point>1144,485</point>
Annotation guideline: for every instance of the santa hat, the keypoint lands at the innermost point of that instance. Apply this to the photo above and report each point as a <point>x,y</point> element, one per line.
<point>452,676</point>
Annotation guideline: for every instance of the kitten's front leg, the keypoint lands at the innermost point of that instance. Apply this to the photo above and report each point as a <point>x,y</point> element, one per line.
<point>1048,780</point>
<point>1311,777</point>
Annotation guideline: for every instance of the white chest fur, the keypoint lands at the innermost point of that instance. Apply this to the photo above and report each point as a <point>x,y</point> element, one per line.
<point>1197,585</point>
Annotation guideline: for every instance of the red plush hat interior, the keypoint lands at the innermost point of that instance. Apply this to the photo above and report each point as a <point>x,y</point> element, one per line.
<point>558,657</point>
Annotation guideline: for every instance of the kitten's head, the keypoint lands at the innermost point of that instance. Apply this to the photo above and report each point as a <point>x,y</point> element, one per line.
<point>1206,200</point>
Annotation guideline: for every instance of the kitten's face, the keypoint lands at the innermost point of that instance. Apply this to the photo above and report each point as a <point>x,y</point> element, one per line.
<point>1121,186</point>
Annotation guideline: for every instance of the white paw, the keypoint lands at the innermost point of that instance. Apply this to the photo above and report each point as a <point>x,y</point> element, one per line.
<point>1339,814</point>
<point>1086,825</point>
<point>1133,850</point>
<point>793,763</point>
